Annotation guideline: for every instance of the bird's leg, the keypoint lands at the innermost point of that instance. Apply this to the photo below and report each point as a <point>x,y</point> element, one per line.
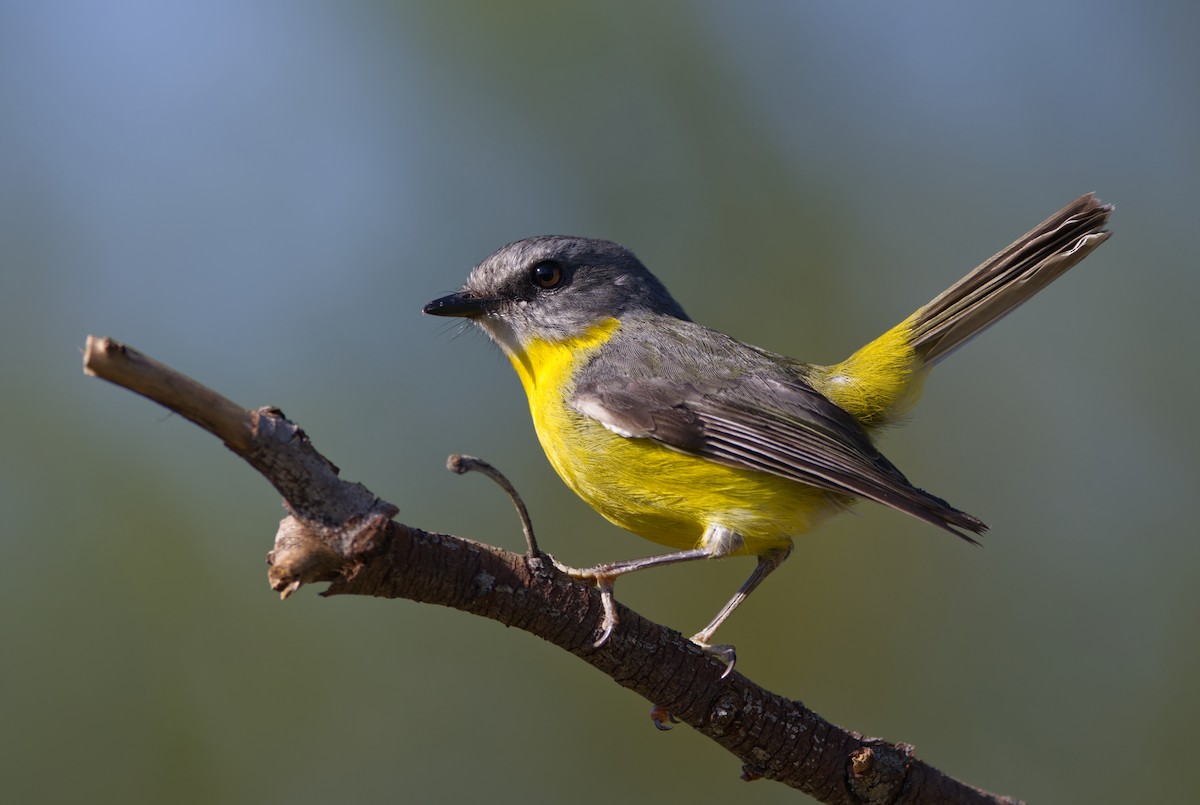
<point>767,562</point>
<point>606,575</point>
<point>722,542</point>
<point>718,542</point>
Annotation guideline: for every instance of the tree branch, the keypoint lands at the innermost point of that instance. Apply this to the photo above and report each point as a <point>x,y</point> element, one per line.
<point>339,532</point>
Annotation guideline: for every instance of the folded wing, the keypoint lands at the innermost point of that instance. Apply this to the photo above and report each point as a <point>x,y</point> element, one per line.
<point>759,418</point>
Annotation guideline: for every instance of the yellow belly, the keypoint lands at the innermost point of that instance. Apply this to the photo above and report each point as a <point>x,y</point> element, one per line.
<point>660,494</point>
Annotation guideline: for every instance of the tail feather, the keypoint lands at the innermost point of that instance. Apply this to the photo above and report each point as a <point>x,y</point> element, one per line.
<point>1005,281</point>
<point>881,381</point>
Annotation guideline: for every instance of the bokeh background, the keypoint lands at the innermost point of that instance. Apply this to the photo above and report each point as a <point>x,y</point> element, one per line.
<point>263,195</point>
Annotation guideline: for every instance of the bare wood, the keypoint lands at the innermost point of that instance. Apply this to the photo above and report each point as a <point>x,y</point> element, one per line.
<point>125,366</point>
<point>339,532</point>
<point>333,518</point>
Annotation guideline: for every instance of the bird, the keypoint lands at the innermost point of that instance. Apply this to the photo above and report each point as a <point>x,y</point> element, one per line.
<point>710,446</point>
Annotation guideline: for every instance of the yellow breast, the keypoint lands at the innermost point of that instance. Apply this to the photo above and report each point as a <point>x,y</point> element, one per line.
<point>661,494</point>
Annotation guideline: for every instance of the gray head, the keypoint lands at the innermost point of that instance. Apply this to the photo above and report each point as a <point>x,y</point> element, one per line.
<point>555,287</point>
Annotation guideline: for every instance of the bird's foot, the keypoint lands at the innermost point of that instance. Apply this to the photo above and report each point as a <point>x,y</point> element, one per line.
<point>662,718</point>
<point>603,581</point>
<point>723,652</point>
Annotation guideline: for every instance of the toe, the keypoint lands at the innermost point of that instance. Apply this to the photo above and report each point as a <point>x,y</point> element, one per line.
<point>723,652</point>
<point>609,621</point>
<point>662,718</point>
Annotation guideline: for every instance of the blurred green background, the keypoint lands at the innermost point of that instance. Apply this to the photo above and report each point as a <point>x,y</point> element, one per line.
<point>263,195</point>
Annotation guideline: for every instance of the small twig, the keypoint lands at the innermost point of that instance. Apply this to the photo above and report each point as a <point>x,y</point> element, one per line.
<point>125,366</point>
<point>461,465</point>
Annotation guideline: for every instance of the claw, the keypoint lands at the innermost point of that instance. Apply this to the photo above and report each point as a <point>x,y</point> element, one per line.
<point>723,652</point>
<point>605,584</point>
<point>610,612</point>
<point>662,718</point>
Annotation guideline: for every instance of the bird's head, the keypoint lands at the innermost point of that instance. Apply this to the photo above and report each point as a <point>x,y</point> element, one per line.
<point>553,288</point>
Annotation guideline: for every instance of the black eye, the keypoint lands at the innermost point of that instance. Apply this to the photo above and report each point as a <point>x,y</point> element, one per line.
<point>546,274</point>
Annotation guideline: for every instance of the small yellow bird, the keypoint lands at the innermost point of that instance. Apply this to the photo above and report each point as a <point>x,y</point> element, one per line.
<point>697,441</point>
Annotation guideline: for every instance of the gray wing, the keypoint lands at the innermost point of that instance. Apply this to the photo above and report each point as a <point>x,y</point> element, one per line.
<point>702,393</point>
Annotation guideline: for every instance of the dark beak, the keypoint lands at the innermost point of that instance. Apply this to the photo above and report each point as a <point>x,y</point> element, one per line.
<point>463,303</point>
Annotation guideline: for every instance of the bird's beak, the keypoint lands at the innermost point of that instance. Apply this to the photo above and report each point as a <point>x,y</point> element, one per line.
<point>463,303</point>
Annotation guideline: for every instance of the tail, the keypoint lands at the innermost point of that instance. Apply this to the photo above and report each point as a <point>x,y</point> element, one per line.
<point>1003,283</point>
<point>880,381</point>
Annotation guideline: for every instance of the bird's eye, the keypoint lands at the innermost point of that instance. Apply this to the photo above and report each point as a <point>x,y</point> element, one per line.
<point>546,274</point>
